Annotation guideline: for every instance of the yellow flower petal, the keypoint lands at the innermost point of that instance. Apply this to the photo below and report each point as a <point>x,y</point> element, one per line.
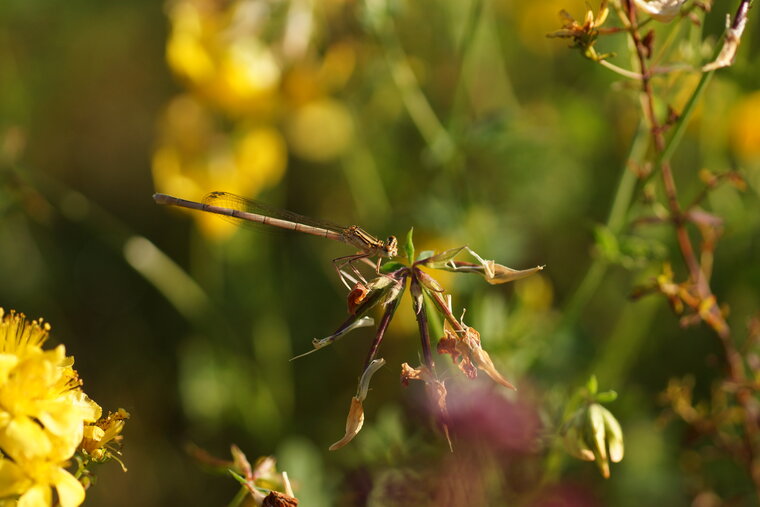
<point>36,496</point>
<point>23,439</point>
<point>70,490</point>
<point>12,479</point>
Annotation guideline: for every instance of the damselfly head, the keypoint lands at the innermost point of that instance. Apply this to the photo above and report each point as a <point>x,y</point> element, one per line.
<point>391,247</point>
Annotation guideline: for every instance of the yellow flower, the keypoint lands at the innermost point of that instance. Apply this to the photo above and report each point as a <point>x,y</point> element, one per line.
<point>321,130</point>
<point>584,35</point>
<point>42,409</point>
<point>42,415</point>
<point>32,482</point>
<point>745,127</point>
<point>99,438</point>
<point>221,57</point>
<point>195,155</point>
<point>17,335</point>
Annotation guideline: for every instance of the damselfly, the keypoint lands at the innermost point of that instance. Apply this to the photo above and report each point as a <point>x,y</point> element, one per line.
<point>240,208</point>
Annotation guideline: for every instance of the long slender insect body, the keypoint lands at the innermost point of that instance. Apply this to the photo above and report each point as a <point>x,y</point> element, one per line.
<point>231,205</point>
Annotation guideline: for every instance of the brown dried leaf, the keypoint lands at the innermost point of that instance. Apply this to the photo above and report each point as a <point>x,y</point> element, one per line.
<point>731,42</point>
<point>277,499</point>
<point>357,295</point>
<point>354,423</point>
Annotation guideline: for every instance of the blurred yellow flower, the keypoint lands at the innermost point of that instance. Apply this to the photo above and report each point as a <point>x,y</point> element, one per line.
<point>253,78</point>
<point>185,50</point>
<point>321,130</point>
<point>745,127</point>
<point>217,51</point>
<point>194,156</point>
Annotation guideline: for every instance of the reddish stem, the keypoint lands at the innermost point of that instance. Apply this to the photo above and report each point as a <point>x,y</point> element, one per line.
<point>734,360</point>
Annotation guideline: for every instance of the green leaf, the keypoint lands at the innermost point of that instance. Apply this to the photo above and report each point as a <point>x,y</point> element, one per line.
<point>409,246</point>
<point>391,266</point>
<point>607,243</point>
<point>592,385</point>
<point>238,477</point>
<point>441,260</point>
<point>606,397</point>
<point>425,254</point>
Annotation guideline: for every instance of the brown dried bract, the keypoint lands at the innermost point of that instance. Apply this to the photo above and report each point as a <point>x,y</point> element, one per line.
<point>357,295</point>
<point>277,499</point>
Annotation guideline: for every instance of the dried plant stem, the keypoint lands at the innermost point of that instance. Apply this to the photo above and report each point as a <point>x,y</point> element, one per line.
<point>422,323</point>
<point>390,309</point>
<point>736,372</point>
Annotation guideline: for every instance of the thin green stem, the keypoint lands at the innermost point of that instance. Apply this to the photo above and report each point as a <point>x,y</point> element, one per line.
<point>619,70</point>
<point>420,111</point>
<point>615,223</point>
<point>239,497</point>
<point>465,43</point>
<point>683,120</point>
<point>157,268</point>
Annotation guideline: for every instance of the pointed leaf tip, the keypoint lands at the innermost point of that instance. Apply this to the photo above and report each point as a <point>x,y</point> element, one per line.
<point>409,245</point>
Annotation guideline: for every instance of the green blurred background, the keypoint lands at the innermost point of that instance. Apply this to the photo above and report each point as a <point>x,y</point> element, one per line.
<point>460,119</point>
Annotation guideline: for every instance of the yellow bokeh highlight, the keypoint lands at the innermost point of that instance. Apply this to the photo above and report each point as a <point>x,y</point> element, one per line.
<point>321,130</point>
<point>225,64</point>
<point>195,156</point>
<point>745,127</point>
<point>246,93</point>
<point>185,50</point>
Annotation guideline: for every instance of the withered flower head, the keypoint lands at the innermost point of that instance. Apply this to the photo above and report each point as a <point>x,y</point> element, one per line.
<point>462,342</point>
<point>583,35</point>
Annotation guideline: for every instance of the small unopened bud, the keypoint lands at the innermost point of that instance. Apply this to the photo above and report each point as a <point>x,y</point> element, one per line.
<point>596,431</point>
<point>614,436</point>
<point>593,434</point>
<point>576,445</point>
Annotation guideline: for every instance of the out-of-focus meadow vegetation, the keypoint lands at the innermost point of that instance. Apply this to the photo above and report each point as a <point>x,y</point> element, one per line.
<point>460,119</point>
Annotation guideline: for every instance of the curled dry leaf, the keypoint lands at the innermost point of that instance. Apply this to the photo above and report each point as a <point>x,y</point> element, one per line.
<point>503,274</point>
<point>324,342</point>
<point>355,419</point>
<point>450,344</point>
<point>466,351</point>
<point>494,273</point>
<point>408,373</point>
<point>354,423</point>
<point>357,295</point>
<point>731,42</point>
